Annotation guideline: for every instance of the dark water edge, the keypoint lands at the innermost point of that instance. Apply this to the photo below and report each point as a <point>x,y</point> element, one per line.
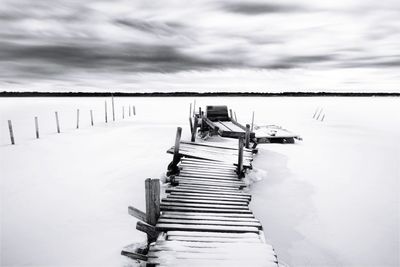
<point>196,94</point>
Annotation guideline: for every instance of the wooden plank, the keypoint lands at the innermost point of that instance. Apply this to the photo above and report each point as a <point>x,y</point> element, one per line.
<point>205,170</point>
<point>216,145</point>
<point>203,210</point>
<point>205,201</point>
<point>218,153</point>
<point>206,228</point>
<point>232,199</point>
<point>188,189</point>
<point>211,195</point>
<point>213,218</point>
<point>208,180</point>
<point>215,150</point>
<point>212,234</point>
<point>210,222</point>
<point>201,205</point>
<point>212,240</point>
<point>231,177</point>
<point>208,184</point>
<point>138,214</point>
<point>207,162</point>
<point>209,188</point>
<point>238,215</point>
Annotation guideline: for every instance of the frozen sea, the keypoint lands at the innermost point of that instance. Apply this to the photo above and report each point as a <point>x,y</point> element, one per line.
<point>329,200</point>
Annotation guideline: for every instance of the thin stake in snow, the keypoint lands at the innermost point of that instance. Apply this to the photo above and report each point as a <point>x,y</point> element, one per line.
<point>123,112</point>
<point>134,110</point>
<point>235,115</point>
<point>252,122</point>
<point>129,110</point>
<point>77,118</point>
<point>190,110</point>
<point>112,105</point>
<point>91,117</point>
<point>323,117</point>
<point>57,122</point>
<point>105,110</point>
<point>231,113</point>
<point>319,114</point>
<point>194,107</point>
<point>37,127</point>
<point>315,113</point>
<point>11,132</point>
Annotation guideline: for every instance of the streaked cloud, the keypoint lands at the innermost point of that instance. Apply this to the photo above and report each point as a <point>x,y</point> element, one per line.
<point>179,46</point>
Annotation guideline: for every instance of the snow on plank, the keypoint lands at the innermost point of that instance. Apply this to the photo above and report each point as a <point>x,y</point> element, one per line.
<point>210,179</point>
<point>206,228</point>
<point>240,200</point>
<point>209,222</point>
<point>201,205</point>
<point>204,217</point>
<point>205,201</point>
<point>210,196</point>
<point>213,240</point>
<point>222,214</point>
<point>203,209</point>
<point>202,190</point>
<point>213,234</point>
<point>217,145</point>
<point>205,187</point>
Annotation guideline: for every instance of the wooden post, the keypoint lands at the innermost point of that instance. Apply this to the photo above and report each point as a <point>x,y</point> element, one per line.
<point>105,110</point>
<point>323,117</point>
<point>193,139</point>
<point>91,117</point>
<point>134,110</point>
<point>11,132</point>
<point>123,112</point>
<point>177,144</point>
<point>57,122</point>
<point>194,107</point>
<point>315,113</point>
<point>252,122</point>
<point>190,110</point>
<point>240,158</point>
<point>130,107</point>
<point>152,200</point>
<point>37,127</point>
<point>235,116</point>
<point>199,111</point>
<point>112,105</point>
<point>191,124</point>
<point>319,114</point>
<point>247,136</point>
<point>77,118</point>
<point>231,114</point>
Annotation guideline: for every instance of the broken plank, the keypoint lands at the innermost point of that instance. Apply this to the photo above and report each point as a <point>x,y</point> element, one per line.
<point>206,228</point>
<point>209,222</point>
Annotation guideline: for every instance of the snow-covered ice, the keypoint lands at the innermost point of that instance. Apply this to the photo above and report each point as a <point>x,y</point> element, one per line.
<point>332,199</point>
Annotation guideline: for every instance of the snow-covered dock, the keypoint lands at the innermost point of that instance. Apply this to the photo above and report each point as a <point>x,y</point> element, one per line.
<point>203,218</point>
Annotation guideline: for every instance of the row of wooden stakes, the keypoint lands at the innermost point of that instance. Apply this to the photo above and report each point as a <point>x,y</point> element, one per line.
<point>131,112</point>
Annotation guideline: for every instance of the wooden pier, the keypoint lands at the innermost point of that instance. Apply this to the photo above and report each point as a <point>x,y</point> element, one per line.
<point>203,218</point>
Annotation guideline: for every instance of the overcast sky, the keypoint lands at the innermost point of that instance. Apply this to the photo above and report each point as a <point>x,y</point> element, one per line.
<point>171,45</point>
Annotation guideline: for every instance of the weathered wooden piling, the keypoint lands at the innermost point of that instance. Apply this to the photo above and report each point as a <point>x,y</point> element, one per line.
<point>57,122</point>
<point>130,107</point>
<point>37,127</point>
<point>247,136</point>
<point>240,157</point>
<point>10,129</point>
<point>134,110</point>
<point>152,187</point>
<point>194,132</point>
<point>231,114</point>
<point>113,107</point>
<point>252,122</point>
<point>77,119</point>
<point>91,117</point>
<point>105,111</point>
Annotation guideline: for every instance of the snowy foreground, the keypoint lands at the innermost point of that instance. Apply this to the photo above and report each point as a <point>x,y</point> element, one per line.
<point>332,199</point>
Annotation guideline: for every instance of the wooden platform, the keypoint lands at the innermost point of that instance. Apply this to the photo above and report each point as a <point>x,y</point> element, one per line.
<point>204,219</point>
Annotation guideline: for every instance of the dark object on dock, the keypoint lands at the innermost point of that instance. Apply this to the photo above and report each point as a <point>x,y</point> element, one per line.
<point>216,120</point>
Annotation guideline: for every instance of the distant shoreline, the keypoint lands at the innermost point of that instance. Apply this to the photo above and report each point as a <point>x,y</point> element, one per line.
<point>195,94</point>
